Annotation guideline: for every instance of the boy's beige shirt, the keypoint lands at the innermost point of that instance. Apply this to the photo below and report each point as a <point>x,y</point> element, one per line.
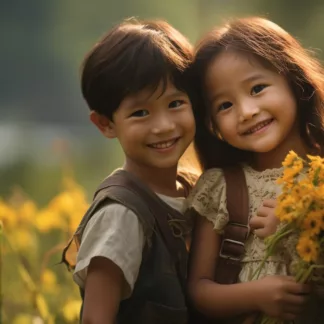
<point>115,233</point>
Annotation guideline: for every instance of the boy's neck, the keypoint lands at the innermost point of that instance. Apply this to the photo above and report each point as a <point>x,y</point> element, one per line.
<point>161,181</point>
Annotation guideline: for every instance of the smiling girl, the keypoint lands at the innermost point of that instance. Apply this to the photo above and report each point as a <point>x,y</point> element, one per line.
<point>263,97</point>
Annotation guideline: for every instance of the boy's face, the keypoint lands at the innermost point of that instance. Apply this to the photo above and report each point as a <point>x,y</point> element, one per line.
<point>154,129</point>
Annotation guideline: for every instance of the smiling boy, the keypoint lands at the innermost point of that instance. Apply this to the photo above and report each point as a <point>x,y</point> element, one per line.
<point>135,82</point>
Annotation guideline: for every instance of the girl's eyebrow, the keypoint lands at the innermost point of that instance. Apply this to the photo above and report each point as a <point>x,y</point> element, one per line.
<point>248,79</point>
<point>253,77</point>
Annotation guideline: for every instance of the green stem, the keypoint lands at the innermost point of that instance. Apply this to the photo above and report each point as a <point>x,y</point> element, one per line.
<point>308,272</point>
<point>271,245</point>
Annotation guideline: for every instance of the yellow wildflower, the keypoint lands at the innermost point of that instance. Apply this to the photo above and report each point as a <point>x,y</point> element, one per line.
<point>23,319</point>
<point>27,211</point>
<point>285,209</point>
<point>23,239</point>
<point>49,282</point>
<point>290,158</point>
<point>312,222</point>
<point>307,248</point>
<point>71,310</point>
<point>47,220</point>
<point>291,170</point>
<point>316,162</point>
<point>8,215</point>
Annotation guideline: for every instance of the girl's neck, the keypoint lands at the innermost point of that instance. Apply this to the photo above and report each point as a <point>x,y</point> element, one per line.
<point>274,158</point>
<point>161,181</point>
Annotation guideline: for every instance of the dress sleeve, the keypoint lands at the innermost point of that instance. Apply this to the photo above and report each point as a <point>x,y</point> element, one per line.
<point>114,232</point>
<point>208,198</point>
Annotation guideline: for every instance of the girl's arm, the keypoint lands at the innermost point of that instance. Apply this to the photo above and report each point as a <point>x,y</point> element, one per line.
<point>209,297</point>
<point>277,296</point>
<point>103,292</point>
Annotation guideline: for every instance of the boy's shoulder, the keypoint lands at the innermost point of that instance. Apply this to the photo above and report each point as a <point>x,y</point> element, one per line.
<point>122,189</point>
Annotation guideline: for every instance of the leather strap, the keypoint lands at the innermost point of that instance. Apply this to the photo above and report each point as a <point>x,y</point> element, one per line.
<point>237,230</point>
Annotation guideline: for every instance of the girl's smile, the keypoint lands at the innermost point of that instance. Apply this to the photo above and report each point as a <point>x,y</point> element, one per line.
<point>259,127</point>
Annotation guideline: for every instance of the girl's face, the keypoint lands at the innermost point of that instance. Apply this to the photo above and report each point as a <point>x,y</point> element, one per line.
<point>252,106</point>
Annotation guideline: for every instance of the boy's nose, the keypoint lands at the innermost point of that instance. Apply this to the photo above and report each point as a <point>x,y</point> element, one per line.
<point>163,124</point>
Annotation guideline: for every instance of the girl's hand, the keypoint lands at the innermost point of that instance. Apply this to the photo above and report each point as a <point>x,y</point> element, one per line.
<point>265,222</point>
<point>281,297</point>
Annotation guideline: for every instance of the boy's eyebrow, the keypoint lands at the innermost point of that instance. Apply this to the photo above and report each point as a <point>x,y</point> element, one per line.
<point>174,93</point>
<point>136,102</point>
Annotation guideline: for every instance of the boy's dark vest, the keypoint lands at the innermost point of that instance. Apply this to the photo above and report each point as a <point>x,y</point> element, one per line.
<point>159,292</point>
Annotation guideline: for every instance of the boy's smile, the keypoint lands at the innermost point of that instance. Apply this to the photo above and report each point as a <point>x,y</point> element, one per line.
<point>164,145</point>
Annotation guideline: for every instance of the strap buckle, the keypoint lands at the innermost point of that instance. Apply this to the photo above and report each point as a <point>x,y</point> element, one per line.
<point>232,249</point>
<point>227,255</point>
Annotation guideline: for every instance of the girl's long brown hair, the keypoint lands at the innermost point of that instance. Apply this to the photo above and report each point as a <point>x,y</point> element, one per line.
<point>275,47</point>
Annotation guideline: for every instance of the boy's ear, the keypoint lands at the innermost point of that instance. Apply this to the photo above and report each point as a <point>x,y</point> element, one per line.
<point>104,124</point>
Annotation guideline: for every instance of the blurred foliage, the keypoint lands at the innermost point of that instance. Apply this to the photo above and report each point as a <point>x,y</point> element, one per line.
<point>36,289</point>
<point>45,42</point>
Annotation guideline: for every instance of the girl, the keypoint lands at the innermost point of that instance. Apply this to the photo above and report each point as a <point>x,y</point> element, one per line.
<point>264,96</point>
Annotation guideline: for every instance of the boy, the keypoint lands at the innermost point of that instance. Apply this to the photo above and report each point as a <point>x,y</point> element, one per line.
<point>136,85</point>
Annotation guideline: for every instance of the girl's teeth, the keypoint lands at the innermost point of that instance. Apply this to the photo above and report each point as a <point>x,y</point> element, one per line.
<point>163,145</point>
<point>255,129</point>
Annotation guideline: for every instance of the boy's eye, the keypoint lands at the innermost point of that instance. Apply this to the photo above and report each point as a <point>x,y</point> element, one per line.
<point>225,105</point>
<point>176,103</point>
<point>258,88</point>
<point>139,113</point>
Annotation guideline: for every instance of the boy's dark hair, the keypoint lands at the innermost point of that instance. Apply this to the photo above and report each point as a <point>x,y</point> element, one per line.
<point>131,57</point>
<point>277,49</point>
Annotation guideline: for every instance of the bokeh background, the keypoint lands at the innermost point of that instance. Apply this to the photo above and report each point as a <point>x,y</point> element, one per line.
<point>51,157</point>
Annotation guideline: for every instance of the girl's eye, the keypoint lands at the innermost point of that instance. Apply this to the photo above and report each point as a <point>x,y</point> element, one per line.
<point>258,88</point>
<point>225,105</point>
<point>176,103</point>
<point>139,113</point>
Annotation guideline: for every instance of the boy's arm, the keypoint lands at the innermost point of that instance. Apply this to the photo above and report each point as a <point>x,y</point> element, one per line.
<point>108,262</point>
<point>103,292</point>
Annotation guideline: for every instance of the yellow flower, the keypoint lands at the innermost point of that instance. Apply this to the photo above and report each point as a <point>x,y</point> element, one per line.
<point>49,282</point>
<point>293,165</point>
<point>47,220</point>
<point>23,239</point>
<point>71,310</point>
<point>312,222</point>
<point>23,319</point>
<point>307,248</point>
<point>285,209</point>
<point>8,216</point>
<point>27,211</point>
<point>316,162</point>
<point>290,158</point>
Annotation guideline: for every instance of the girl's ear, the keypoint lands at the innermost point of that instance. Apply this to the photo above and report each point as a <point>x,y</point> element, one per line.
<point>104,124</point>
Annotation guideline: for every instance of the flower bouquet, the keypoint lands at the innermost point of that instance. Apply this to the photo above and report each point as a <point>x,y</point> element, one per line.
<point>300,209</point>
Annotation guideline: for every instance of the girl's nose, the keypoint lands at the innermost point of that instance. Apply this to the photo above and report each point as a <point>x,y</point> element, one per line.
<point>248,110</point>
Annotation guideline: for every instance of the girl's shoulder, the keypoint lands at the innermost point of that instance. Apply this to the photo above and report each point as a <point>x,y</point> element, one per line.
<point>209,189</point>
<point>211,176</point>
<point>208,197</point>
